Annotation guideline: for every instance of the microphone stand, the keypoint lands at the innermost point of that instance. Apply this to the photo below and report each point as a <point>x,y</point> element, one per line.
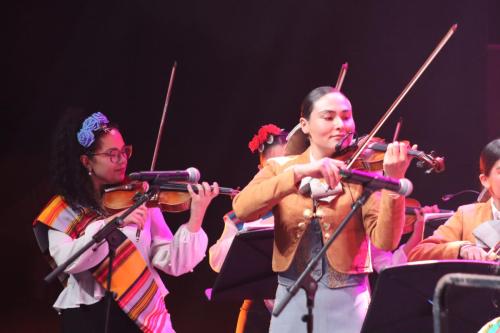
<point>305,279</point>
<point>111,234</point>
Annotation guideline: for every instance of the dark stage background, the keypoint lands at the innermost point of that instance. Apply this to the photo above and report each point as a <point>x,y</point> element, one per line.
<point>241,65</point>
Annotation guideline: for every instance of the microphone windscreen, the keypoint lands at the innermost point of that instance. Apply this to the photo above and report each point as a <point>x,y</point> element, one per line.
<point>194,175</point>
<point>406,187</point>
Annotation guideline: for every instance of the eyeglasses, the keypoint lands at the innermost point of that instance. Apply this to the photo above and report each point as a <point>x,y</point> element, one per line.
<point>115,155</point>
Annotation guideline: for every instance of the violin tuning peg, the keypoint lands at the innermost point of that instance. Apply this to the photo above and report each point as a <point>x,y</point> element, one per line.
<point>439,164</point>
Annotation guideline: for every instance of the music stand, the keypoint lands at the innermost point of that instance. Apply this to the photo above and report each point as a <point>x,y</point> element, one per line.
<point>247,270</point>
<point>403,297</point>
<point>432,224</point>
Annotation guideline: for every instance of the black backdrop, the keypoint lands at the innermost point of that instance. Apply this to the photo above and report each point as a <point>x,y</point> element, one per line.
<point>241,65</point>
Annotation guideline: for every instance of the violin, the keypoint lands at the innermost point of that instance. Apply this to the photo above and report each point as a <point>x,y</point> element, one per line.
<point>372,157</point>
<point>411,205</point>
<point>171,197</point>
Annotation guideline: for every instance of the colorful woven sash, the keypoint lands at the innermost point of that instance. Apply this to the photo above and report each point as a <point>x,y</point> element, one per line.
<point>233,218</point>
<point>135,288</point>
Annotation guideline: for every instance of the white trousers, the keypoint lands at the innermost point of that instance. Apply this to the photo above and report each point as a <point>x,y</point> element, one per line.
<point>340,310</point>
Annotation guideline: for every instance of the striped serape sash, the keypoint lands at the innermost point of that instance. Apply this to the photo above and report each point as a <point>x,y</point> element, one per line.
<point>233,218</point>
<point>133,283</point>
<point>244,226</point>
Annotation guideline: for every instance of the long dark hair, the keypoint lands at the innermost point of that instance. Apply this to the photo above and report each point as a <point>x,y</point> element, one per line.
<point>68,176</point>
<point>312,97</point>
<point>489,156</point>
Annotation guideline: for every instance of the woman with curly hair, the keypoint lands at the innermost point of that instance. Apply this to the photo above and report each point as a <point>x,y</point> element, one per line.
<point>89,154</point>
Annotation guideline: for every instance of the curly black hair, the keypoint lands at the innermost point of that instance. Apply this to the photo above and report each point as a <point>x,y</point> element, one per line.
<point>68,176</point>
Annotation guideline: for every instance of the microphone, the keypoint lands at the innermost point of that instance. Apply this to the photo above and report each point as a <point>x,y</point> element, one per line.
<point>374,181</point>
<point>190,175</point>
<point>377,182</point>
<point>449,196</point>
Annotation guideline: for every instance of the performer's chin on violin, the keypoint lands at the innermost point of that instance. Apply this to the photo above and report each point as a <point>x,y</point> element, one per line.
<point>330,130</point>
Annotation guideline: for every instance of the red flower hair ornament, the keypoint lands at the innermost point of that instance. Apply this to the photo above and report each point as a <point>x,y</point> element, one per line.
<point>265,135</point>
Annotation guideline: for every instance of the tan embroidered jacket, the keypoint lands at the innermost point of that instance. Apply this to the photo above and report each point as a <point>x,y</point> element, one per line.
<point>381,219</point>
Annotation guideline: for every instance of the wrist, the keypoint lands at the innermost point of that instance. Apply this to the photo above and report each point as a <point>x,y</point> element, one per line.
<point>197,211</point>
<point>462,249</point>
<point>196,219</point>
<point>395,176</point>
<point>394,173</point>
<point>416,237</point>
<point>193,225</point>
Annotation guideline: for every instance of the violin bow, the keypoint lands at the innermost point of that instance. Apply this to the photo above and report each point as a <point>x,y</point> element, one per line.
<point>163,116</point>
<point>410,84</point>
<point>398,129</point>
<point>160,130</point>
<point>341,77</point>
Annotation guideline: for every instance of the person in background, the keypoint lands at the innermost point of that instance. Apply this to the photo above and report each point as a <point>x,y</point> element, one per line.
<point>460,237</point>
<point>254,315</point>
<point>414,230</point>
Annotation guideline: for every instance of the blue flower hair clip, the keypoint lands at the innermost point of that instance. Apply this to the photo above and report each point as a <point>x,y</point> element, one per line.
<point>94,122</point>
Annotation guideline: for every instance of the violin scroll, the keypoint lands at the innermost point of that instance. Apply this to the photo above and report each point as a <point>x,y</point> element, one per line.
<point>371,159</point>
<point>429,161</point>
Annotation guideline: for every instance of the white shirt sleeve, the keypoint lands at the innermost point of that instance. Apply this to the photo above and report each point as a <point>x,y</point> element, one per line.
<point>399,256</point>
<point>218,252</point>
<point>383,259</point>
<point>178,254</point>
<point>62,247</point>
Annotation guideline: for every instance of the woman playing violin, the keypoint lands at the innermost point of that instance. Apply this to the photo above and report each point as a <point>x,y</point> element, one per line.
<point>342,297</point>
<point>89,154</point>
<point>463,235</point>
